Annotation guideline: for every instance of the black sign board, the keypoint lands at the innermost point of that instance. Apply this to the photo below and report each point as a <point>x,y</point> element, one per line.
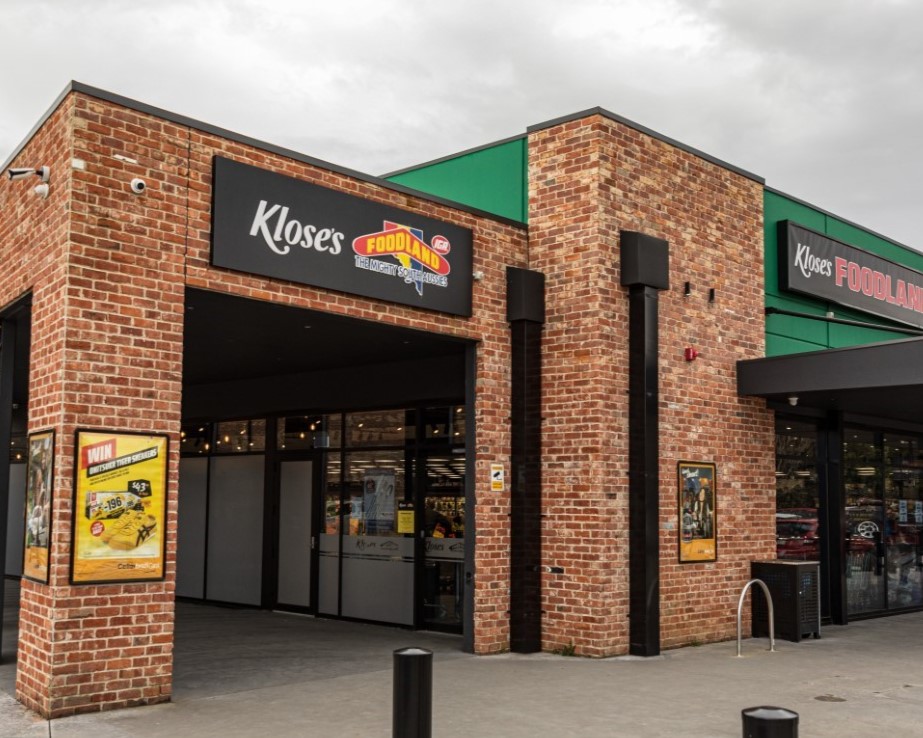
<point>815,265</point>
<point>276,226</point>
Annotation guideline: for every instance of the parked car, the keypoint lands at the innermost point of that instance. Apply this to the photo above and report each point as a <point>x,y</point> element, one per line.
<point>797,534</point>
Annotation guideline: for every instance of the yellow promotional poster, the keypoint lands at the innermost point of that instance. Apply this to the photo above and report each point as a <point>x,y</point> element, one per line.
<point>698,528</point>
<point>405,518</point>
<point>119,507</point>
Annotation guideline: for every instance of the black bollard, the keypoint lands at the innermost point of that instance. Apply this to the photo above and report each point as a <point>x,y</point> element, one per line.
<point>769,722</point>
<point>412,714</point>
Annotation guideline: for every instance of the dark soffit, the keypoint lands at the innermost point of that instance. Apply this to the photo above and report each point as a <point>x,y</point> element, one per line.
<point>233,338</point>
<point>882,379</point>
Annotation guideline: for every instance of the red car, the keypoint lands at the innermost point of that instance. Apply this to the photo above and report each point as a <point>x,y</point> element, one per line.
<point>797,534</point>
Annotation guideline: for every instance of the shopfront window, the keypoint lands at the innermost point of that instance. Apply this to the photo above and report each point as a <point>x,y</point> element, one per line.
<point>444,541</point>
<point>797,496</point>
<point>863,477</point>
<point>883,478</point>
<point>240,437</point>
<point>196,438</point>
<point>305,432</point>
<point>382,428</point>
<point>374,486</point>
<point>377,560</point>
<point>18,445</point>
<point>903,486</point>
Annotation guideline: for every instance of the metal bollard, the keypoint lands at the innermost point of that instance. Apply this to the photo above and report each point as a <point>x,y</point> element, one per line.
<point>412,714</point>
<point>769,722</point>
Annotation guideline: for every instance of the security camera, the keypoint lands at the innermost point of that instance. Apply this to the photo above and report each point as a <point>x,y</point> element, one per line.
<point>42,190</point>
<point>20,172</point>
<point>138,186</point>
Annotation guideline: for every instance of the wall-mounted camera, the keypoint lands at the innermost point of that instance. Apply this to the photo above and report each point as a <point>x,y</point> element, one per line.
<point>138,185</point>
<point>15,173</point>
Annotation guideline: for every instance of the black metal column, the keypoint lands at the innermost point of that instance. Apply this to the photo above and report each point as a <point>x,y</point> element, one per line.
<point>7,357</point>
<point>833,522</point>
<point>526,313</point>
<point>645,270</point>
<point>471,531</point>
<point>644,478</point>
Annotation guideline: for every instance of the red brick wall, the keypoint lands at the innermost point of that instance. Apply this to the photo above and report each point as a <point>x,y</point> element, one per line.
<point>589,179</point>
<point>107,270</point>
<point>107,353</point>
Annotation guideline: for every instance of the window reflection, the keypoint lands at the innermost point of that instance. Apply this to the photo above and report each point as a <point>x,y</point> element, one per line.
<point>797,498</point>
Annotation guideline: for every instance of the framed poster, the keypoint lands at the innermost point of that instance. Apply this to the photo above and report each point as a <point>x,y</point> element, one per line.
<point>698,523</point>
<point>378,501</point>
<point>39,486</point>
<point>120,502</point>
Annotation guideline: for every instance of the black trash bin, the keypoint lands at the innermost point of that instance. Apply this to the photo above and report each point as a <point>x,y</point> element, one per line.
<point>795,590</point>
<point>769,722</point>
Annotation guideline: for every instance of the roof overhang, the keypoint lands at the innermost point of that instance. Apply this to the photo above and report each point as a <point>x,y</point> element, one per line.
<point>884,380</point>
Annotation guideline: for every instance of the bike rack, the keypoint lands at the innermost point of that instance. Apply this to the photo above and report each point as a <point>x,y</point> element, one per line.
<point>772,618</point>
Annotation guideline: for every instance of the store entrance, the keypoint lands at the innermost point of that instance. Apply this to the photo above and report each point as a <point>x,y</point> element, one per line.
<point>857,509</point>
<point>311,443</point>
<point>884,521</point>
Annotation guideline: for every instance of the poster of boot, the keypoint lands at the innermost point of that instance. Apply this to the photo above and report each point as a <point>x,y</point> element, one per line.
<point>39,485</point>
<point>698,525</point>
<point>120,494</point>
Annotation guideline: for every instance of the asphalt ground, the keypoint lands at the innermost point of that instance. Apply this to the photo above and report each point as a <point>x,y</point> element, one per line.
<point>254,673</point>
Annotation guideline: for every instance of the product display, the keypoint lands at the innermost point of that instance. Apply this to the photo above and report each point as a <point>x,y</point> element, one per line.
<point>129,530</point>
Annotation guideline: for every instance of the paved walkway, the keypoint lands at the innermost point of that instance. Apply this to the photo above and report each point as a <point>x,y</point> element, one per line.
<point>252,673</point>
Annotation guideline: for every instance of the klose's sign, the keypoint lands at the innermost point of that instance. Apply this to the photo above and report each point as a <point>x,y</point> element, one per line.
<point>821,267</point>
<point>276,226</point>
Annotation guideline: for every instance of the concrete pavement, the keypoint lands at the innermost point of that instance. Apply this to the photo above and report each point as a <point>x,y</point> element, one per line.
<point>253,673</point>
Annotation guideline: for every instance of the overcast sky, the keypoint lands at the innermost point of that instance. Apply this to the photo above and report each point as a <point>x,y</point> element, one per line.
<point>822,98</point>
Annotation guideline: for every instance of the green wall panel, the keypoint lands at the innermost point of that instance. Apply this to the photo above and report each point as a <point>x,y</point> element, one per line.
<point>790,334</point>
<point>779,345</point>
<point>492,179</point>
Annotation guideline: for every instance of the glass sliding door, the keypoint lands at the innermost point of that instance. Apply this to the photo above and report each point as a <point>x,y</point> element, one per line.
<point>366,559</point>
<point>377,577</point>
<point>444,541</point>
<point>864,489</point>
<point>903,520</point>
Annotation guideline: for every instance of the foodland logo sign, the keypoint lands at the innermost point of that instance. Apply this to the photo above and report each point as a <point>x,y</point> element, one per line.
<point>417,262</point>
<point>821,267</point>
<point>269,224</point>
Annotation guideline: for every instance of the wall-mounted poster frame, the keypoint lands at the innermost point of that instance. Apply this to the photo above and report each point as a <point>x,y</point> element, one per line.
<point>697,508</point>
<point>38,507</point>
<point>120,503</point>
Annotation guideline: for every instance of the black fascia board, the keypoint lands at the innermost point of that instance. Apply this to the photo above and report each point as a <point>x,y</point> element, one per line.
<point>877,365</point>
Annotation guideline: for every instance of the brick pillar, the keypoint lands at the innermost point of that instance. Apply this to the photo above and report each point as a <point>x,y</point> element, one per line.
<point>107,354</point>
<point>584,400</point>
<point>589,179</point>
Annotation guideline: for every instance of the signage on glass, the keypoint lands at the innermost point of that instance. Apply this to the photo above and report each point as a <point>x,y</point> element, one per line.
<point>822,267</point>
<point>277,226</point>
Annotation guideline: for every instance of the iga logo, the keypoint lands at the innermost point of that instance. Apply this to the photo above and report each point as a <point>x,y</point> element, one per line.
<point>418,263</point>
<point>441,245</point>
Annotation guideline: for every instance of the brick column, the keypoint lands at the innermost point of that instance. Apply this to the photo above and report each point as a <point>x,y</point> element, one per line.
<point>107,354</point>
<point>584,400</point>
<point>590,178</point>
